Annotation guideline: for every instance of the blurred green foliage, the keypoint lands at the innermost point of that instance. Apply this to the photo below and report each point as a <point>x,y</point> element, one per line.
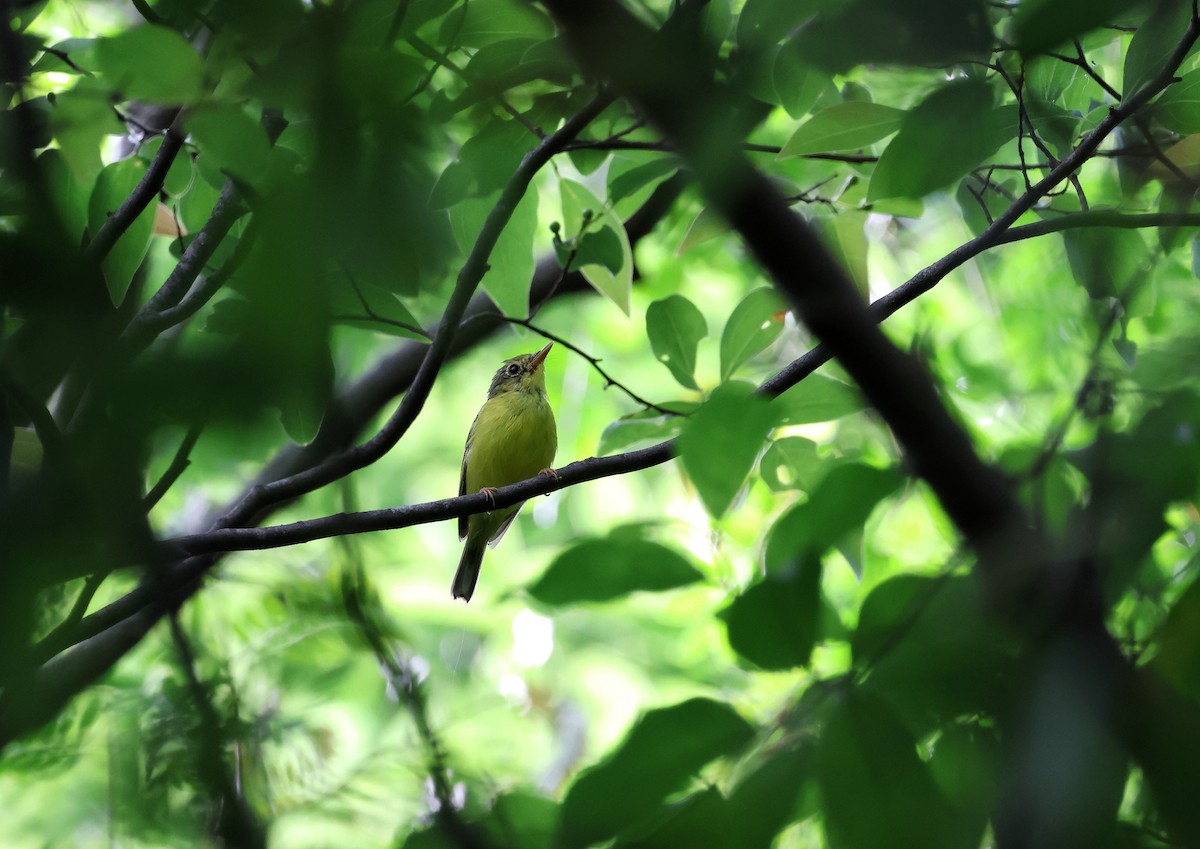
<point>777,639</point>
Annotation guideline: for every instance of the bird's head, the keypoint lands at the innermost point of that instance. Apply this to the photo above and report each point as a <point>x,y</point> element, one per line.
<point>523,373</point>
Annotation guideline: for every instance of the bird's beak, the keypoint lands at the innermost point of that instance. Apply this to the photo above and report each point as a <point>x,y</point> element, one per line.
<point>539,357</point>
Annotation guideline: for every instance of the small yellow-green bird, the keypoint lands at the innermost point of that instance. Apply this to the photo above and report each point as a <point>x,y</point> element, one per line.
<point>513,438</point>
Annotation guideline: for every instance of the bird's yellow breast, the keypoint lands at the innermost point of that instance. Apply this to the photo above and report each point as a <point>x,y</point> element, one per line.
<point>514,439</point>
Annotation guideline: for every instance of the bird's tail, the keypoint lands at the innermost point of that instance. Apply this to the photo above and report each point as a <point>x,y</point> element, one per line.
<point>468,569</point>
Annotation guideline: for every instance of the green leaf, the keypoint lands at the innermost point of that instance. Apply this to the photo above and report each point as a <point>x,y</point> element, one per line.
<point>905,32</point>
<point>489,21</point>
<point>845,126</point>
<point>1107,262</point>
<point>791,463</point>
<point>708,224</point>
<point>751,328</point>
<point>1047,77</point>
<point>605,569</point>
<point>511,262</point>
<point>235,140</point>
<point>944,137</point>
<point>151,63</point>
<point>877,793</point>
<point>675,327</point>
<point>1042,25</point>
<point>113,186</point>
<point>818,398</point>
<point>721,440</point>
<point>650,426</point>
<point>841,503</point>
<point>766,800</point>
<point>521,819</point>
<point>1154,42</point>
<point>484,163</point>
<point>665,748</point>
<point>798,85</point>
<point>617,286</point>
<point>650,173</point>
<point>600,247</point>
<point>1178,109</point>
<point>81,118</point>
<point>846,237</point>
<point>773,624</point>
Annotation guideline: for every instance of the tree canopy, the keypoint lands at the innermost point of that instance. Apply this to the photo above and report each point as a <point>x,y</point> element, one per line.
<point>874,522</point>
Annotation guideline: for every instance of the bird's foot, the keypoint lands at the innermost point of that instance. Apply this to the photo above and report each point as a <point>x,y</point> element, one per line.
<point>549,473</point>
<point>489,492</point>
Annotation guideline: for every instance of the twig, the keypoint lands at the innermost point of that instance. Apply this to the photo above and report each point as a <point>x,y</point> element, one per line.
<point>178,464</point>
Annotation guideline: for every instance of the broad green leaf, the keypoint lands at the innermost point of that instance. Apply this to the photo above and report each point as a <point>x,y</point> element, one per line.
<point>1178,659</point>
<point>522,818</point>
<point>511,262</point>
<point>791,463</point>
<point>616,286</point>
<point>235,140</point>
<point>773,624</point>
<point>721,440</point>
<point>663,749</point>
<point>626,183</point>
<point>651,426</point>
<point>1042,25</point>
<point>605,569</point>
<point>764,22</point>
<point>151,63</point>
<point>489,21</point>
<point>81,118</point>
<point>708,224</point>
<point>842,502</point>
<point>112,187</point>
<point>70,195</point>
<point>766,800</point>
<point>966,768</point>
<point>484,163</point>
<point>1178,109</point>
<point>675,327</point>
<point>846,237</point>
<point>877,793</point>
<point>600,247</point>
<point>1153,43</point>
<point>944,137</point>
<point>702,819</point>
<point>1046,77</point>
<point>1107,262</point>
<point>845,126</point>
<point>818,398</point>
<point>798,85</point>
<point>752,326</point>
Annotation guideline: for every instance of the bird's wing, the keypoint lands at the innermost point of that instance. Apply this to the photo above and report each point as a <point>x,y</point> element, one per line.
<point>495,538</point>
<point>462,479</point>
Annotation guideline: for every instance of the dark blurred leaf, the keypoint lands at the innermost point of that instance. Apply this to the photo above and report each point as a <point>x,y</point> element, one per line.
<point>663,749</point>
<point>651,173</point>
<point>675,327</point>
<point>1178,658</point>
<point>151,63</point>
<point>764,802</point>
<point>113,186</point>
<point>752,326</point>
<point>484,163</point>
<point>942,138</point>
<point>966,768</point>
<point>1106,262</point>
<point>720,441</point>
<point>232,137</point>
<point>909,32</point>
<point>81,118</point>
<point>605,569</point>
<point>1041,25</point>
<point>934,651</point>
<point>877,793</point>
<point>791,463</point>
<point>511,261</point>
<point>818,398</point>
<point>773,624</point>
<point>846,237</point>
<point>798,85</point>
<point>522,819</point>
<point>842,502</point>
<point>701,819</point>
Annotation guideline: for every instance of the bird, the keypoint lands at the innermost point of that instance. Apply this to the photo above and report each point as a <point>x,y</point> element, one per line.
<point>512,438</point>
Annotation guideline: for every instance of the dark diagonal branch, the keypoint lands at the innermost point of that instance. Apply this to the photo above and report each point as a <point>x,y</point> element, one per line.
<point>143,193</point>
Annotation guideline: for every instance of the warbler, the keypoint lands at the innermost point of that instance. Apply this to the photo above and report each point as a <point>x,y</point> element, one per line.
<point>512,438</point>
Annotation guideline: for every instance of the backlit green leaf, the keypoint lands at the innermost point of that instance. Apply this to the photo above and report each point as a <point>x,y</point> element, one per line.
<point>675,327</point>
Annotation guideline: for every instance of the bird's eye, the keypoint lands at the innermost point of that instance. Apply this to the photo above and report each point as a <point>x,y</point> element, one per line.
<point>514,369</point>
